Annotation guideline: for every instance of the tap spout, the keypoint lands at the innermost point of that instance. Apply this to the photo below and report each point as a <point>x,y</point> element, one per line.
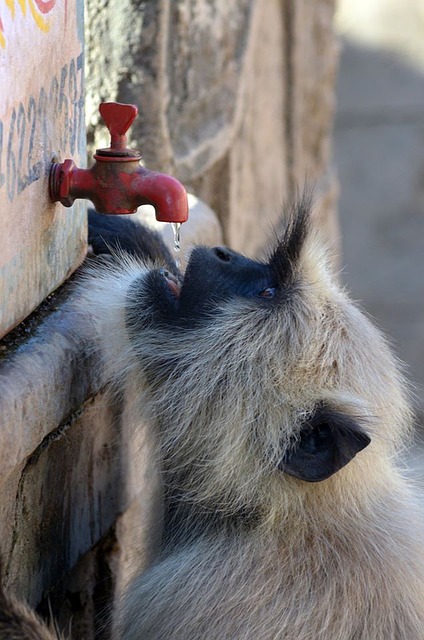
<point>166,194</point>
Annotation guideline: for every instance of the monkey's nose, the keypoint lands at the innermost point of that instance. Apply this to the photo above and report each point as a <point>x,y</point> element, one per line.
<point>223,254</point>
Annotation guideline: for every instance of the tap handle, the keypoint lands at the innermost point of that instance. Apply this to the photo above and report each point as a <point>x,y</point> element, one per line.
<point>118,119</point>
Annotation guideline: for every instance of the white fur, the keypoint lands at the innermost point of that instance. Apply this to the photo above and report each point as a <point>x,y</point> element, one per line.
<point>342,559</point>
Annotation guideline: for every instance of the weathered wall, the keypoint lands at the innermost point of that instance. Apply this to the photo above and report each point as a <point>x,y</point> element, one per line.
<point>236,98</point>
<point>41,118</point>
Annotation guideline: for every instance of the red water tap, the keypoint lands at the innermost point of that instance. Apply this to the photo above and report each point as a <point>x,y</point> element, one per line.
<point>117,183</point>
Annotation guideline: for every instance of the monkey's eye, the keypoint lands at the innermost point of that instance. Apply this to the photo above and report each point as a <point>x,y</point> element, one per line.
<point>269,292</point>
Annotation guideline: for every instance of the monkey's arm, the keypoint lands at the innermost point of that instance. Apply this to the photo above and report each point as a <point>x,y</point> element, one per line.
<point>108,234</point>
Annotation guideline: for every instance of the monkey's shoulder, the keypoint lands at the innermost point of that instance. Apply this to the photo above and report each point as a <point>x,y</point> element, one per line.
<point>108,234</point>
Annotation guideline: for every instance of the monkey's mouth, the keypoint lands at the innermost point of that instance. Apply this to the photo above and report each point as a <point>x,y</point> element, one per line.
<point>172,282</point>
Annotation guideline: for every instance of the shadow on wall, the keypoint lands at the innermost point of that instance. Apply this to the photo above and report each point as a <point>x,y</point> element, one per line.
<point>379,152</point>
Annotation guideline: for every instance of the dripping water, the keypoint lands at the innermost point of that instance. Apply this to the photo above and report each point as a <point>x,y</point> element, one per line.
<point>176,228</point>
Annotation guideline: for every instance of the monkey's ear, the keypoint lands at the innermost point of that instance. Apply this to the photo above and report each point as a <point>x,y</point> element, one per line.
<point>327,443</point>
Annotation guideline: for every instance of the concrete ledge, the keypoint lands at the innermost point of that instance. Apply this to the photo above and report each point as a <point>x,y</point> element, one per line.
<point>43,380</point>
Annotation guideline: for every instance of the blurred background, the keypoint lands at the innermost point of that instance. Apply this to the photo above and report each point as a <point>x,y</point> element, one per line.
<point>379,155</point>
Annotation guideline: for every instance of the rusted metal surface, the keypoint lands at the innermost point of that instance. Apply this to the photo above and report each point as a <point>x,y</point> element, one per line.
<point>117,183</point>
<point>41,119</point>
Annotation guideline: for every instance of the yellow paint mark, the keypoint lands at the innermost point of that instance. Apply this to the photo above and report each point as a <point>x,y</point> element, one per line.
<point>10,4</point>
<point>23,6</point>
<point>41,24</point>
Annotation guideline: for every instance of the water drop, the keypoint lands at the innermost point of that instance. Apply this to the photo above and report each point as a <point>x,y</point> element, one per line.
<point>176,228</point>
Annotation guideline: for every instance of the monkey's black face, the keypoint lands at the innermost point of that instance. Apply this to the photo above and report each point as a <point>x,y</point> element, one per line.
<point>213,276</point>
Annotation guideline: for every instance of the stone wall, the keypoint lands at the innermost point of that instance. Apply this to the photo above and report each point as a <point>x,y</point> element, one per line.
<point>41,119</point>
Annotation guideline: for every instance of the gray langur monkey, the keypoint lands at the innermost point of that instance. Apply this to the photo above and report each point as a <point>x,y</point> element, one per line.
<point>280,413</point>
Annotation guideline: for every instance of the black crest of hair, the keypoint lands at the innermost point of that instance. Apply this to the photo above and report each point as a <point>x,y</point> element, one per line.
<point>289,246</point>
<point>108,234</point>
